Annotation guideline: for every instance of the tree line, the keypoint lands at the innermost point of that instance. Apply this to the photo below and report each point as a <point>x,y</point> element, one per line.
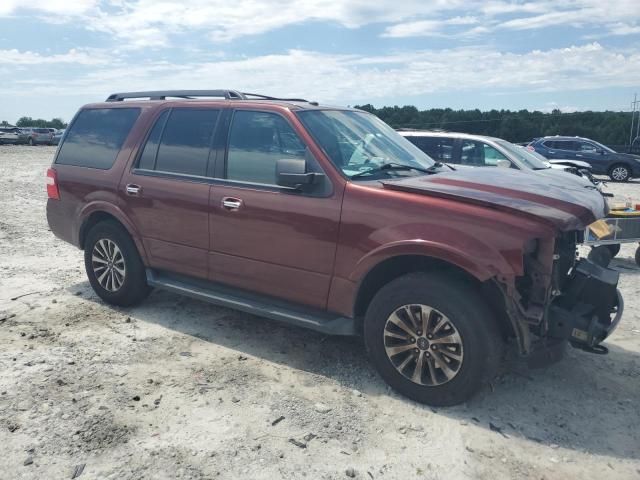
<point>609,128</point>
<point>56,123</point>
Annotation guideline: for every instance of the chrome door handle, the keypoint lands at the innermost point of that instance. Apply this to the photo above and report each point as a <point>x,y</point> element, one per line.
<point>579,155</point>
<point>133,189</point>
<point>230,203</point>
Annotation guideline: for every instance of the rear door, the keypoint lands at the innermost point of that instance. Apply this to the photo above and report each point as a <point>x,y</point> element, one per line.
<point>264,238</point>
<point>166,193</point>
<point>560,149</point>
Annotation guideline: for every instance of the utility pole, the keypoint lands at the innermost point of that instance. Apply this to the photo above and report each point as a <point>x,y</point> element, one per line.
<point>634,104</point>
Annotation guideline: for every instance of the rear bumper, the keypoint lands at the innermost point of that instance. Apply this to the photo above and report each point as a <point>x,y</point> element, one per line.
<point>589,309</point>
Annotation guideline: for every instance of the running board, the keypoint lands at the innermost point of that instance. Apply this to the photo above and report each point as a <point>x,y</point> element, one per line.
<point>259,305</point>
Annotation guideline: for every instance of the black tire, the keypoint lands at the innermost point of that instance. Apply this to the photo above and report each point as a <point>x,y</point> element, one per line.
<point>460,302</point>
<point>638,256</point>
<point>614,248</point>
<point>620,173</point>
<point>134,287</point>
<point>600,255</point>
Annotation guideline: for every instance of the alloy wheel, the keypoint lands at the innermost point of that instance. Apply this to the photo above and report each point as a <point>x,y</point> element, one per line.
<point>108,265</point>
<point>619,174</point>
<point>423,345</point>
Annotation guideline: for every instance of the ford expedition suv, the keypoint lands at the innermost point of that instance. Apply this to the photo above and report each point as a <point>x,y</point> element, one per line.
<point>326,218</point>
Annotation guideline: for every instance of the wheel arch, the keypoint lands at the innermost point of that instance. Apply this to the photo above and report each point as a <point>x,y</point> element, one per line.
<point>98,214</point>
<point>397,266</point>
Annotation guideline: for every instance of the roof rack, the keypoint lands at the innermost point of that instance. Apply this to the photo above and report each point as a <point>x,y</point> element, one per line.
<point>190,94</point>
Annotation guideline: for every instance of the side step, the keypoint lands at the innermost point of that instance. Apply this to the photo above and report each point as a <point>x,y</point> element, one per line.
<point>255,304</point>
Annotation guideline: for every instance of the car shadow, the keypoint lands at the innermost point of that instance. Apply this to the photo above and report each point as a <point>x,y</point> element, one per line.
<point>585,402</point>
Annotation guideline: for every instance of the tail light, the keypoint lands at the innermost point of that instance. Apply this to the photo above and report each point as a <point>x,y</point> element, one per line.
<point>52,184</point>
<point>530,148</point>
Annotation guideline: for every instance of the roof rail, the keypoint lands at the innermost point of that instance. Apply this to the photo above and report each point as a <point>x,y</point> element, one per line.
<point>227,94</point>
<point>266,97</point>
<point>163,94</point>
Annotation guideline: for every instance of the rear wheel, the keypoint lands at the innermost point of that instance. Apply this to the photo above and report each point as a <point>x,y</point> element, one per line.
<point>432,338</point>
<point>113,265</point>
<point>619,173</point>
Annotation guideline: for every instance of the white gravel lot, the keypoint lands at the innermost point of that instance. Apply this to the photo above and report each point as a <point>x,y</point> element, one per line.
<point>176,388</point>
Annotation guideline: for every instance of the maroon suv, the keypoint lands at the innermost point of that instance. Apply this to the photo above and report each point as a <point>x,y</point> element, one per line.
<point>326,218</point>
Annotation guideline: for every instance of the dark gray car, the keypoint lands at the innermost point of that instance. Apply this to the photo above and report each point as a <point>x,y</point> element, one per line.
<point>604,161</point>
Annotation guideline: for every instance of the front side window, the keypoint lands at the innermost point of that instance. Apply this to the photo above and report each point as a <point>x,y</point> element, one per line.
<point>479,154</point>
<point>186,141</point>
<point>587,147</point>
<point>257,140</point>
<point>96,136</point>
<point>360,144</point>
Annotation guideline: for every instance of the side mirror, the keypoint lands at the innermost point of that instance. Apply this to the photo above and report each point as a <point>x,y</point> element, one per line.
<point>503,164</point>
<point>292,173</point>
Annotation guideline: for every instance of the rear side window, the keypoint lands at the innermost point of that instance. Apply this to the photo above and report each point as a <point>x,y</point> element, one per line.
<point>438,148</point>
<point>561,144</point>
<point>186,141</point>
<point>96,136</point>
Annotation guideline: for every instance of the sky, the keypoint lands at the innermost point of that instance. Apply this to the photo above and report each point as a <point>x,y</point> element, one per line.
<point>56,55</point>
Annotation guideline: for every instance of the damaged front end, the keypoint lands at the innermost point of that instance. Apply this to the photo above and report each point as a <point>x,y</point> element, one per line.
<point>588,309</point>
<point>561,299</point>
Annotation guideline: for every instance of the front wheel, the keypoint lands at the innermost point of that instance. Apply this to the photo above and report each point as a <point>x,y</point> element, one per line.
<point>620,173</point>
<point>433,338</point>
<point>113,265</point>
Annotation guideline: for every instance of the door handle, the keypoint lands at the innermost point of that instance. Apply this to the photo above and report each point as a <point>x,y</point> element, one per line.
<point>579,155</point>
<point>231,203</point>
<point>133,190</point>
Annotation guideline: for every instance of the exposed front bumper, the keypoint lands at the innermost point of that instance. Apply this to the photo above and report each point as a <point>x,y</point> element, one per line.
<point>589,309</point>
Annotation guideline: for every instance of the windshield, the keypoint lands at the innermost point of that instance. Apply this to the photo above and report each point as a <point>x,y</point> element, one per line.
<point>357,142</point>
<point>523,155</point>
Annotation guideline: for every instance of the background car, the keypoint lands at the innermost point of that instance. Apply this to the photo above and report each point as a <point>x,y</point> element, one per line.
<point>620,167</point>
<point>482,151</point>
<point>9,135</point>
<point>57,136</point>
<point>37,136</point>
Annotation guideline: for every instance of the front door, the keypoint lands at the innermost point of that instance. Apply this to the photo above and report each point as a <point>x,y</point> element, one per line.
<point>167,192</point>
<point>263,238</point>
<point>594,155</point>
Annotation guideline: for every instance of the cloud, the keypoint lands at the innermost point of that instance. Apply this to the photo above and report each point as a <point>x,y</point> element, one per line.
<point>73,56</point>
<point>57,7</point>
<point>154,23</point>
<point>348,78</point>
<point>424,28</point>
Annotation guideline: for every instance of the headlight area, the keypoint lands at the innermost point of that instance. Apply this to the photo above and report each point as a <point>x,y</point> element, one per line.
<point>583,304</point>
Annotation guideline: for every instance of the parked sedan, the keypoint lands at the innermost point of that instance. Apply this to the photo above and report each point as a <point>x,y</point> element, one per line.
<point>37,136</point>
<point>57,136</point>
<point>9,135</point>
<point>604,161</point>
<point>483,151</point>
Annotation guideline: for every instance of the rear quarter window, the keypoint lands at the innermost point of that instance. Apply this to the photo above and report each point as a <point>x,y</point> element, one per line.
<point>96,136</point>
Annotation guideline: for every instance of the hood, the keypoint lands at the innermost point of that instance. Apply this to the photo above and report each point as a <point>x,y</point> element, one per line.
<point>558,163</point>
<point>555,198</point>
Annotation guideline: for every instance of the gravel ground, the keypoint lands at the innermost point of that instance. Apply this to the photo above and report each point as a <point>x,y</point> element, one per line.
<point>176,388</point>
